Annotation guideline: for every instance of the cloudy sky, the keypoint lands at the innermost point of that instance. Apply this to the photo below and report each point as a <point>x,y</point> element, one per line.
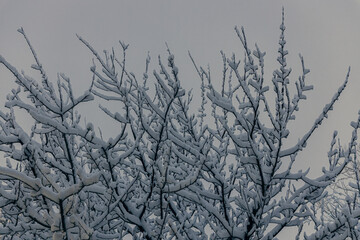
<point>325,32</point>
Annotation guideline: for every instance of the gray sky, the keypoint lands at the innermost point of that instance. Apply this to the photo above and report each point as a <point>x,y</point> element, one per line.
<point>325,32</point>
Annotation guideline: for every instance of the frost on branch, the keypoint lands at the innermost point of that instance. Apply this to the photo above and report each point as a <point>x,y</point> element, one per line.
<point>167,173</point>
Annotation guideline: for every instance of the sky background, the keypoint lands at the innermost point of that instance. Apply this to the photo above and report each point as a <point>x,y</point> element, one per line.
<point>325,32</point>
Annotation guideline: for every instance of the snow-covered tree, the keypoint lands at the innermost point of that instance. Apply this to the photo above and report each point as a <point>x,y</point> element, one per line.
<point>339,211</point>
<point>222,173</point>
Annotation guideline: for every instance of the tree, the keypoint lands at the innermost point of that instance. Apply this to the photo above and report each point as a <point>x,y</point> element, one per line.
<point>168,174</point>
<point>339,210</point>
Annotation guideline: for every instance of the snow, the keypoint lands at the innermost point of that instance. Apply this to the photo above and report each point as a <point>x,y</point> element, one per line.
<point>165,173</point>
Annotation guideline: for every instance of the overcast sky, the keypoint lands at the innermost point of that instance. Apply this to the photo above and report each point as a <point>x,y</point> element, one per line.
<point>326,32</point>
